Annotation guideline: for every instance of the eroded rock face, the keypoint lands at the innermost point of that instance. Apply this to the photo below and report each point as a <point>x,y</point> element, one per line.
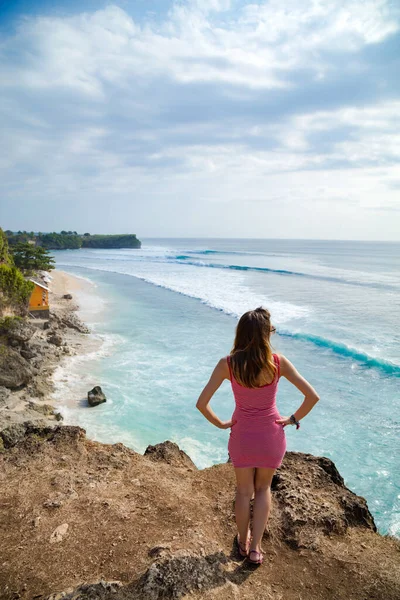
<point>96,396</point>
<point>313,500</point>
<point>170,453</point>
<point>14,370</point>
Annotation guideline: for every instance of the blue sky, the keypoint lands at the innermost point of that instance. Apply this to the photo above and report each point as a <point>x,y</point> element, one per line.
<point>211,118</point>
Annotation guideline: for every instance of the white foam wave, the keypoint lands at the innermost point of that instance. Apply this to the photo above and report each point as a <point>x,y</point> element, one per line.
<point>225,291</point>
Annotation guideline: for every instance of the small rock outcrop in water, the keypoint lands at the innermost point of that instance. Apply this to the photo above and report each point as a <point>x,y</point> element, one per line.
<point>96,396</point>
<point>170,453</point>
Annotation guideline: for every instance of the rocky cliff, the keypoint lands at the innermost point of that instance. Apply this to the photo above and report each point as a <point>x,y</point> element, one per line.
<point>80,519</point>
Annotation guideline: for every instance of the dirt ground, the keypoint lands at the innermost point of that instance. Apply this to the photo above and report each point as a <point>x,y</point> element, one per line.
<point>74,510</point>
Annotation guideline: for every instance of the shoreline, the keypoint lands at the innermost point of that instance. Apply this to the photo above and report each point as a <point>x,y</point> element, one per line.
<point>50,344</point>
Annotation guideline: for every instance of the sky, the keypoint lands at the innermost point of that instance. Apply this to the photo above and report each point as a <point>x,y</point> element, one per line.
<point>201,118</point>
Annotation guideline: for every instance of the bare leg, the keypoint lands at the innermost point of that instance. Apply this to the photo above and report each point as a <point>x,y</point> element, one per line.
<point>262,505</point>
<point>244,492</point>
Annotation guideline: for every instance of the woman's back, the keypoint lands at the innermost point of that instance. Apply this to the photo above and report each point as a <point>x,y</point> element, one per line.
<point>255,439</point>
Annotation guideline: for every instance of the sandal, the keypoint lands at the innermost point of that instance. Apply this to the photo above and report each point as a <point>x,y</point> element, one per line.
<point>243,551</point>
<point>259,559</point>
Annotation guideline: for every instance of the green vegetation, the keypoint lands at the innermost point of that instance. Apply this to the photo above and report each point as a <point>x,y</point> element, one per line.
<point>15,290</point>
<point>9,323</point>
<point>71,240</point>
<point>60,241</point>
<point>5,258</point>
<point>30,258</point>
<point>110,241</point>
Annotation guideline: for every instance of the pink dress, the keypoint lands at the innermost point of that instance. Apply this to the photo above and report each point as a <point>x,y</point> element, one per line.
<point>255,439</point>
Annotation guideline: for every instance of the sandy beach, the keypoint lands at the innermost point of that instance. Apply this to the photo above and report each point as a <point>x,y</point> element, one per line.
<point>50,345</point>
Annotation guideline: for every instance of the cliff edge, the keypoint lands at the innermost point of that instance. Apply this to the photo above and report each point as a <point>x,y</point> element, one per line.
<point>80,519</point>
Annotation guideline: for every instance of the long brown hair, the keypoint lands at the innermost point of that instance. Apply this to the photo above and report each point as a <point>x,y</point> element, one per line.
<point>252,353</point>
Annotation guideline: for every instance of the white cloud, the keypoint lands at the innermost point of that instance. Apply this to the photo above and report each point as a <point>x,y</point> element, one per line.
<point>213,103</point>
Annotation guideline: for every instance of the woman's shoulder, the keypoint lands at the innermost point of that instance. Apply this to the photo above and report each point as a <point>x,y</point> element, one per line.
<point>284,363</point>
<point>223,366</point>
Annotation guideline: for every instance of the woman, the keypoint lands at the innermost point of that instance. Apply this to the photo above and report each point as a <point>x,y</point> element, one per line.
<point>257,442</point>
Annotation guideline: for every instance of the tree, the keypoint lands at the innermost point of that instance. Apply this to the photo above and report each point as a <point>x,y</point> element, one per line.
<point>5,257</point>
<point>32,258</point>
<point>86,235</point>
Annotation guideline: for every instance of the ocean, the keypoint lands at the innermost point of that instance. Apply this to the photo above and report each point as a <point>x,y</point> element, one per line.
<point>167,313</point>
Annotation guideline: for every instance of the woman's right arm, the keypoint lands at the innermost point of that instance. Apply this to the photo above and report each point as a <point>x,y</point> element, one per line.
<point>310,395</point>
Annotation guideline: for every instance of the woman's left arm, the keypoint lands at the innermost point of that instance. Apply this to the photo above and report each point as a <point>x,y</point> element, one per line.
<point>220,373</point>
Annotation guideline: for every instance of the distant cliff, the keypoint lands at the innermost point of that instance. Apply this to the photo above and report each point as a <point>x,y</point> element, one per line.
<point>71,240</point>
<point>111,241</point>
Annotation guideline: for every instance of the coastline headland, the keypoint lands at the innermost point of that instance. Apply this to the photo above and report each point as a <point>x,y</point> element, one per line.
<point>81,519</point>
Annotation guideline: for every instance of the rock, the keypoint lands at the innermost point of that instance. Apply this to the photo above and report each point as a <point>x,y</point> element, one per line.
<point>46,325</point>
<point>17,330</point>
<point>4,395</point>
<point>36,521</point>
<point>170,453</point>
<point>13,434</point>
<point>67,296</point>
<point>312,500</point>
<point>55,339</point>
<point>96,396</point>
<point>13,343</point>
<point>73,322</point>
<point>58,533</point>
<point>14,370</point>
<point>58,416</point>
<point>43,409</point>
<point>101,590</point>
<point>180,575</point>
<point>27,354</point>
<point>41,387</point>
<point>158,551</point>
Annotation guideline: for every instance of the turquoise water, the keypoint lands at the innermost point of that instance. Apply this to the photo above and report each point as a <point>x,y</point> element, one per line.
<point>167,313</point>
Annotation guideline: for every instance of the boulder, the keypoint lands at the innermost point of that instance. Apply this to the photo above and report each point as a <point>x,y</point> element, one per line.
<point>178,576</point>
<point>14,370</point>
<point>313,501</point>
<point>13,434</point>
<point>17,329</point>
<point>67,296</point>
<point>27,354</point>
<point>96,396</point>
<point>170,453</point>
<point>55,339</point>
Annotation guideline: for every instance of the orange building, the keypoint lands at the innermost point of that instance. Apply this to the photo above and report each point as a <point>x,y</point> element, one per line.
<point>39,301</point>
